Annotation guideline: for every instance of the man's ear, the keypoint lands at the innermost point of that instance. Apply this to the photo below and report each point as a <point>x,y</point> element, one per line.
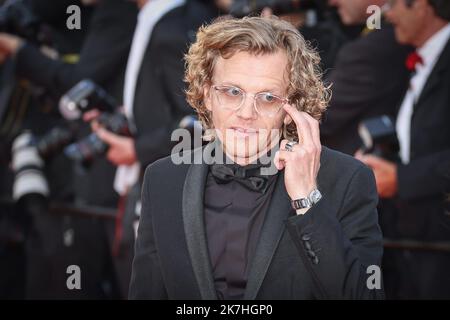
<point>207,97</point>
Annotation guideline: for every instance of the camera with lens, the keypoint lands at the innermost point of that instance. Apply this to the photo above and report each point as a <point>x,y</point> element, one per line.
<point>242,8</point>
<point>379,137</point>
<point>28,166</point>
<point>85,96</point>
<point>29,153</point>
<point>90,147</point>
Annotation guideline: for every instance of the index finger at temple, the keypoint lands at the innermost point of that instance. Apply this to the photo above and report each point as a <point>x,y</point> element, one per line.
<point>303,127</point>
<point>314,125</point>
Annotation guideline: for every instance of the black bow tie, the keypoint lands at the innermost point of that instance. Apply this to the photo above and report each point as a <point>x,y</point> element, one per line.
<point>248,176</point>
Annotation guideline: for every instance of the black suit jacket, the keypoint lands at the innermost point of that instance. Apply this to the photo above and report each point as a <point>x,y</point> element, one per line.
<point>368,80</point>
<point>323,254</point>
<point>424,183</point>
<point>159,99</point>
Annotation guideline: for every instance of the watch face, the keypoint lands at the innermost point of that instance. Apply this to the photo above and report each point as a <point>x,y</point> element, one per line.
<point>316,196</point>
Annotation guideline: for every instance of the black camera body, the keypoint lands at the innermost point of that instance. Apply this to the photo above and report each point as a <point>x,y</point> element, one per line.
<point>85,96</point>
<point>90,147</point>
<point>379,137</point>
<point>53,141</point>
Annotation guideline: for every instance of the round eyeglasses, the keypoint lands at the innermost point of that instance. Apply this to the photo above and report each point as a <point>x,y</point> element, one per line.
<point>266,104</point>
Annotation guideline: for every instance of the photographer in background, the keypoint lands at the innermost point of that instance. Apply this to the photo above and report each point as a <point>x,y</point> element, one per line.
<point>154,103</point>
<point>154,99</point>
<point>317,21</point>
<point>98,60</point>
<point>102,58</point>
<point>362,77</point>
<point>25,105</point>
<point>419,183</point>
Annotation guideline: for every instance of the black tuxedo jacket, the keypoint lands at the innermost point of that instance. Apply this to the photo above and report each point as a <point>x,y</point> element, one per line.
<point>323,254</point>
<point>424,184</point>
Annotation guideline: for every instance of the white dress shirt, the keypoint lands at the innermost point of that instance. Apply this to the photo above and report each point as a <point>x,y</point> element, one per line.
<point>430,53</point>
<point>149,15</point>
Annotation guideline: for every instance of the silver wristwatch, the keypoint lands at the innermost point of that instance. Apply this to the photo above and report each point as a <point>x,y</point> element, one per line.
<point>308,202</point>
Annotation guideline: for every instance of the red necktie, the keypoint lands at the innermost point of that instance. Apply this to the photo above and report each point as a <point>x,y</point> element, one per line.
<point>412,60</point>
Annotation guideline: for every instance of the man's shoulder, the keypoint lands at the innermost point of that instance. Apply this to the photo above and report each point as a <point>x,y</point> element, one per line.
<point>166,166</point>
<point>377,38</point>
<point>172,167</point>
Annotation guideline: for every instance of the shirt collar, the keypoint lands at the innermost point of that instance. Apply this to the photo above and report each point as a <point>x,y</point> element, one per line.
<point>154,7</point>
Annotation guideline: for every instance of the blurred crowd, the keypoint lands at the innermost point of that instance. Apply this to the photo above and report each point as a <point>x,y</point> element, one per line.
<point>90,95</point>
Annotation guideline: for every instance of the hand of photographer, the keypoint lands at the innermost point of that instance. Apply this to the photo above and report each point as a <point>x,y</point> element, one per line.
<point>385,173</point>
<point>9,45</point>
<point>121,149</point>
<point>91,115</point>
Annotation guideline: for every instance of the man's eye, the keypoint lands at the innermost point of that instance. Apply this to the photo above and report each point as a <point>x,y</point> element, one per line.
<point>268,97</point>
<point>234,92</point>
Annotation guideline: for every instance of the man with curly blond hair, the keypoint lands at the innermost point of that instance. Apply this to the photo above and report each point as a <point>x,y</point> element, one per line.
<point>228,227</point>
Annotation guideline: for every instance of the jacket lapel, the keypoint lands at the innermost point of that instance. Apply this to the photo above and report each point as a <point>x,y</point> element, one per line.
<point>272,230</point>
<point>434,78</point>
<point>194,227</point>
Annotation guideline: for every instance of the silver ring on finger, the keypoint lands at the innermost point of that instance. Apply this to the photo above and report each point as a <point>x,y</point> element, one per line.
<point>290,145</point>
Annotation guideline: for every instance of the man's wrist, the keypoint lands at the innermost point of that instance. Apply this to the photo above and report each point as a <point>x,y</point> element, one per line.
<point>303,192</point>
<point>302,204</point>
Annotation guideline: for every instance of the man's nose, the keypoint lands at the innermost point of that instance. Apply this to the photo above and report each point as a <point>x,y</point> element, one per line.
<point>247,109</point>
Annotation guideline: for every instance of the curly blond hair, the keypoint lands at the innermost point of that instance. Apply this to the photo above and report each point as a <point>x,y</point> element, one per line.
<point>256,35</point>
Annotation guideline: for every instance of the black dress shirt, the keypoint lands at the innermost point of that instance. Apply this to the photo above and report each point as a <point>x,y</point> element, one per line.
<point>234,216</point>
